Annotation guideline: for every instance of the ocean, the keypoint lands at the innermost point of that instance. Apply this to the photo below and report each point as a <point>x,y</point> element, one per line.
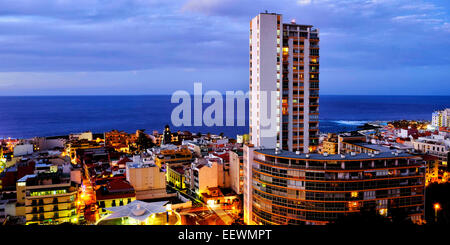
<point>26,117</point>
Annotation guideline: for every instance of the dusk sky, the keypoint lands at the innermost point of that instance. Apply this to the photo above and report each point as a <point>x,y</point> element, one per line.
<point>91,47</point>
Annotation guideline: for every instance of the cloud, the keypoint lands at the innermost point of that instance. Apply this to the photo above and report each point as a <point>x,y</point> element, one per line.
<point>417,18</point>
<point>195,35</point>
<point>304,2</point>
<point>5,84</point>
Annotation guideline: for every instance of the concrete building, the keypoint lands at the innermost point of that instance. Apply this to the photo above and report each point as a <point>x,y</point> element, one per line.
<point>43,144</point>
<point>147,179</point>
<point>284,183</point>
<point>116,192</point>
<point>435,145</point>
<point>177,157</point>
<point>284,84</point>
<point>283,187</point>
<point>46,198</point>
<point>330,144</point>
<point>441,118</point>
<point>81,136</point>
<point>237,171</point>
<point>23,150</point>
<point>208,172</point>
<point>176,177</point>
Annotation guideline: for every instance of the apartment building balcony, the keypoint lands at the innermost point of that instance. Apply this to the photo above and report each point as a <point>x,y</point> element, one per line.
<point>314,77</point>
<point>314,36</point>
<point>298,62</point>
<point>41,210</point>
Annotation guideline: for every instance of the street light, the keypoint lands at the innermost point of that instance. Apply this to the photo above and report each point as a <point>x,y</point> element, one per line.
<point>437,207</point>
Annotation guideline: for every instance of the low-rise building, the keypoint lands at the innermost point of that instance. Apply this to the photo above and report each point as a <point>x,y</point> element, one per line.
<point>116,192</point>
<point>181,156</point>
<point>176,177</point>
<point>148,180</point>
<point>46,198</point>
<point>435,145</point>
<point>441,118</point>
<point>205,173</point>
<point>330,144</point>
<point>23,150</point>
<point>237,171</point>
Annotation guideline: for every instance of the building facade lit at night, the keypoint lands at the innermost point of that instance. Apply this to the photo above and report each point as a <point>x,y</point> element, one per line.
<point>289,188</point>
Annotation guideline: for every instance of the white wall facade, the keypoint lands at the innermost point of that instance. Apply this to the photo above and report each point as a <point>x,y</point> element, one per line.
<point>265,79</point>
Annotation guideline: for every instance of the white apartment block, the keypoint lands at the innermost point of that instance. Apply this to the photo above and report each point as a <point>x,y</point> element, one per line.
<point>441,118</point>
<point>284,84</point>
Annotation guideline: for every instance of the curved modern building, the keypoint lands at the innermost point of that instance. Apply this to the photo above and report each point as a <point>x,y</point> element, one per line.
<point>283,187</point>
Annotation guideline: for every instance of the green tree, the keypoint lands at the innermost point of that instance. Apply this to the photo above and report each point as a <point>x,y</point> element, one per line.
<point>143,141</point>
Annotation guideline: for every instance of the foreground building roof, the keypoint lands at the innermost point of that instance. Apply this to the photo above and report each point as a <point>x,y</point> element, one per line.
<point>137,210</point>
<point>333,157</point>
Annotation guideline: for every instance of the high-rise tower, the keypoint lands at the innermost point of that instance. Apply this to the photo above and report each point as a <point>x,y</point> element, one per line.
<point>283,182</point>
<point>284,84</point>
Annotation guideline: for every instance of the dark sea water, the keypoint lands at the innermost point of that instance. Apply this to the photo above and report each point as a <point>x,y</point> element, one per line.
<point>24,117</point>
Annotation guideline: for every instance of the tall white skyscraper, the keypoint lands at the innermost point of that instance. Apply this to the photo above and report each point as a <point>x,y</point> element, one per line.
<point>284,84</point>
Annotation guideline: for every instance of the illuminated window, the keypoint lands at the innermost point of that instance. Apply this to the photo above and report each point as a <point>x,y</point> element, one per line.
<point>354,194</point>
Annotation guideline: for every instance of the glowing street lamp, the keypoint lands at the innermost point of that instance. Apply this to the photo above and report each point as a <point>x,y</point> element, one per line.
<point>436,207</point>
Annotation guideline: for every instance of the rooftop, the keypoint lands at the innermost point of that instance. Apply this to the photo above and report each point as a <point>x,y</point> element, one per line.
<point>138,210</point>
<point>333,157</point>
<point>379,148</point>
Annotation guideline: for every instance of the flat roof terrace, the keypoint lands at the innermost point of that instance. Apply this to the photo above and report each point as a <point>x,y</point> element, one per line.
<point>333,157</point>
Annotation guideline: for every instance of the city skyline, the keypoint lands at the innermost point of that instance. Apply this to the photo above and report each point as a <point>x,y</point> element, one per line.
<point>264,155</point>
<point>130,47</point>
